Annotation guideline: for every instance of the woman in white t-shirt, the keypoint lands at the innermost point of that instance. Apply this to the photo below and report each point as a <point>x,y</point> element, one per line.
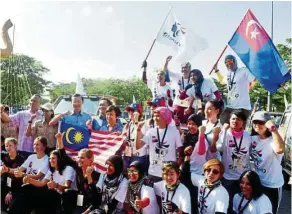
<point>140,193</point>
<point>35,167</point>
<point>58,180</point>
<point>201,90</point>
<point>251,199</point>
<point>175,196</point>
<point>135,111</point>
<point>213,198</point>
<point>112,187</point>
<point>267,151</point>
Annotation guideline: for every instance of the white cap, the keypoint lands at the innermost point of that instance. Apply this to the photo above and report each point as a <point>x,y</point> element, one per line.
<point>48,106</point>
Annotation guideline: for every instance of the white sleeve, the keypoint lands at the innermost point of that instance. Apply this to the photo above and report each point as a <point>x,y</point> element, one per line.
<point>222,202</point>
<point>122,191</point>
<point>70,174</point>
<point>264,205</point>
<point>222,137</point>
<point>178,142</point>
<point>48,175</point>
<point>44,169</point>
<point>235,203</point>
<point>185,202</point>
<point>146,138</point>
<point>148,192</point>
<point>100,182</point>
<point>26,162</point>
<point>249,76</point>
<point>15,117</point>
<point>190,92</point>
<point>196,178</point>
<point>212,85</point>
<point>157,188</point>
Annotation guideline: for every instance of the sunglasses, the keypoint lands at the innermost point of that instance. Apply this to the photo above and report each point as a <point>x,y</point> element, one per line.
<point>259,122</point>
<point>214,171</point>
<point>134,172</point>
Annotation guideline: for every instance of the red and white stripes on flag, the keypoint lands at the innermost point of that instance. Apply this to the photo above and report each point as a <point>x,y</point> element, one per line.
<point>103,144</point>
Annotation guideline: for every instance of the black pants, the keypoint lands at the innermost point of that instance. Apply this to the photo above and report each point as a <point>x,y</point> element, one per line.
<point>232,187</point>
<point>225,116</point>
<point>275,196</point>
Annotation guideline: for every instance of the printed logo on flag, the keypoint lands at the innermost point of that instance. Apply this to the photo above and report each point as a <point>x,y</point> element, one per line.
<point>177,29</point>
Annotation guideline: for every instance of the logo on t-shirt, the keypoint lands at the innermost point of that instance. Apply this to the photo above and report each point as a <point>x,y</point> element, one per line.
<point>238,156</point>
<point>202,201</point>
<point>257,156</point>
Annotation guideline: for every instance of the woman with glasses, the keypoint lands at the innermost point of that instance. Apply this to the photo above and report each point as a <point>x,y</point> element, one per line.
<point>252,199</point>
<point>268,149</point>
<point>140,193</point>
<point>175,197</point>
<point>42,128</point>
<point>112,187</point>
<point>212,196</point>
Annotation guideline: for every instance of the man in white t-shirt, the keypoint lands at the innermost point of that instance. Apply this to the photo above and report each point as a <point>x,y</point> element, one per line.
<point>163,141</point>
<point>239,82</point>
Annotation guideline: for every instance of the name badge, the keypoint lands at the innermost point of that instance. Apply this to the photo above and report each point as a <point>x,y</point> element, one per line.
<point>80,200</point>
<point>8,183</point>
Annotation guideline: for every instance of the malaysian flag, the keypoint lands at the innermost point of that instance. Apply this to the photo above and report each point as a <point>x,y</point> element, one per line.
<point>103,144</point>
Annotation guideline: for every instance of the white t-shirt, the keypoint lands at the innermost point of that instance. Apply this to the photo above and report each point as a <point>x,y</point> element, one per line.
<point>33,165</point>
<point>178,88</point>
<point>197,161</point>
<point>180,197</point>
<point>208,88</point>
<point>215,201</point>
<point>68,174</point>
<point>238,96</point>
<point>120,194</point>
<point>131,149</point>
<point>260,206</point>
<point>164,152</point>
<point>235,162</point>
<point>148,192</point>
<point>267,162</point>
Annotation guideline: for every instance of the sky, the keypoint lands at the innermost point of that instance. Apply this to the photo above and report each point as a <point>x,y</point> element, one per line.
<point>111,39</point>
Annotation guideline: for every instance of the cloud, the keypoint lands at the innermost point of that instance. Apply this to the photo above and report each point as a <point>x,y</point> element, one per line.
<point>86,10</point>
<point>109,9</point>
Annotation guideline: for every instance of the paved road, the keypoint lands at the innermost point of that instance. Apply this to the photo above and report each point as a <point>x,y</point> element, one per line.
<point>285,206</point>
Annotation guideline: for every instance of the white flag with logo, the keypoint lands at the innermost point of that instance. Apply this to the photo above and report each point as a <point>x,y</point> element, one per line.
<point>183,40</point>
<point>79,86</point>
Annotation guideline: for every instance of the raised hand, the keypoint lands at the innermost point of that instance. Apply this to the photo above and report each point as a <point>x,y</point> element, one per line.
<point>168,58</point>
<point>138,203</point>
<point>89,124</point>
<point>188,151</point>
<point>216,131</point>
<point>202,129</point>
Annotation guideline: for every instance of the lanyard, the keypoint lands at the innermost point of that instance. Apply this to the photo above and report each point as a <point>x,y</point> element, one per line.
<point>210,131</point>
<point>231,82</point>
<point>183,82</point>
<point>238,147</point>
<point>204,198</point>
<point>129,131</point>
<point>172,194</point>
<point>161,142</point>
<point>239,209</point>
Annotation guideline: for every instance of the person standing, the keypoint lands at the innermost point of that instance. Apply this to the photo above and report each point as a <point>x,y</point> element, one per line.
<point>239,82</point>
<point>22,118</point>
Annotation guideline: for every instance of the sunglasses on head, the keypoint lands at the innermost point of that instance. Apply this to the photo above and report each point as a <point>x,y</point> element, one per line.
<point>134,172</point>
<point>259,122</point>
<point>214,171</point>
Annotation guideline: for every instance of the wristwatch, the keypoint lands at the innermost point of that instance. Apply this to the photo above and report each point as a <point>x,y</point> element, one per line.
<point>273,128</point>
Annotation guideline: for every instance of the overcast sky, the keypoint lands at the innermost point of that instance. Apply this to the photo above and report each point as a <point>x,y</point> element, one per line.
<point>111,39</point>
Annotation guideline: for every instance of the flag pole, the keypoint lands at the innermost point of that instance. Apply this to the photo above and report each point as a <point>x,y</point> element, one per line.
<point>272,32</point>
<point>158,34</point>
<point>218,59</point>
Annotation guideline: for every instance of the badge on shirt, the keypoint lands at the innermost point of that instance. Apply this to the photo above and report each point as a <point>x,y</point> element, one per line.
<point>80,200</point>
<point>237,163</point>
<point>9,180</point>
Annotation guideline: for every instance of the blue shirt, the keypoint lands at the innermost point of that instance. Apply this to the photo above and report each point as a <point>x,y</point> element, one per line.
<point>77,119</point>
<point>96,124</point>
<point>117,128</point>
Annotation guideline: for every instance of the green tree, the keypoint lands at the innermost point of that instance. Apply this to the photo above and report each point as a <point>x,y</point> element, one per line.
<point>22,76</point>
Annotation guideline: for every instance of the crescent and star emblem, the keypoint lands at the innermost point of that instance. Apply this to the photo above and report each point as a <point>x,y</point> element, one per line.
<point>254,33</point>
<point>67,135</point>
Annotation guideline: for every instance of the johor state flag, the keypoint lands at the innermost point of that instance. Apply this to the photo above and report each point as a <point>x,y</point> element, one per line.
<point>183,40</point>
<point>256,50</point>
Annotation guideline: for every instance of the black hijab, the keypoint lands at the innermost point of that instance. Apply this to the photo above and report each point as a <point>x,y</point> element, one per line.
<point>198,83</point>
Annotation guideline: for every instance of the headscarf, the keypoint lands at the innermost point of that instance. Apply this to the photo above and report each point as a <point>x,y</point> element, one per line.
<point>234,59</point>
<point>113,181</point>
<point>165,113</point>
<point>134,188</point>
<point>198,83</point>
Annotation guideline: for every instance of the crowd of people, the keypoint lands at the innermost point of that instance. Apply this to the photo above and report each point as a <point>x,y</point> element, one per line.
<point>161,167</point>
